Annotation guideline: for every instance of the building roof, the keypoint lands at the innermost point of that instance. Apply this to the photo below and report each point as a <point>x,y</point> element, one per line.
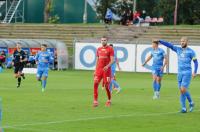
<point>29,43</point>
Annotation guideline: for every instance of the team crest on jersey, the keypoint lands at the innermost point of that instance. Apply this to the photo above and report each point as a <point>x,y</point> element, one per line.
<point>182,55</point>
<point>45,55</point>
<point>104,50</point>
<point>156,52</point>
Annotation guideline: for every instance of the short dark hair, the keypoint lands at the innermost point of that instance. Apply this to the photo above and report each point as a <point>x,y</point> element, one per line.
<point>156,42</point>
<point>111,45</point>
<point>44,45</point>
<point>104,37</point>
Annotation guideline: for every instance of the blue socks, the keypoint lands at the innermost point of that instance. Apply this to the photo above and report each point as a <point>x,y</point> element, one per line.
<point>155,86</point>
<point>114,82</point>
<point>158,87</point>
<point>182,100</point>
<point>44,82</point>
<point>187,94</point>
<point>116,85</point>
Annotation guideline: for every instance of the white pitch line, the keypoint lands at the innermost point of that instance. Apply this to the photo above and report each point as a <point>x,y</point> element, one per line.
<point>92,118</point>
<point>35,130</point>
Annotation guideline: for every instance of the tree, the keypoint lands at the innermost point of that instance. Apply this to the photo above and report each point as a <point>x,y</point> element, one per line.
<point>147,5</point>
<point>196,12</point>
<point>188,11</point>
<point>121,6</point>
<point>165,8</point>
<point>102,6</point>
<point>47,10</point>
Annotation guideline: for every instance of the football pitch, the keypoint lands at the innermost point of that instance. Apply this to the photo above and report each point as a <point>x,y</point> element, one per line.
<point>66,105</point>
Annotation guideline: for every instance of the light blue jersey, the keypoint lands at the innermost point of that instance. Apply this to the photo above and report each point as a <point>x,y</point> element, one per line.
<point>158,56</point>
<point>185,57</point>
<point>43,59</point>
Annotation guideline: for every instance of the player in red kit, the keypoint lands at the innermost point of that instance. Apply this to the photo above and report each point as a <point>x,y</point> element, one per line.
<point>105,58</point>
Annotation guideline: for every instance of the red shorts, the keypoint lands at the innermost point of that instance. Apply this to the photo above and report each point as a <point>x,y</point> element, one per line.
<point>106,75</point>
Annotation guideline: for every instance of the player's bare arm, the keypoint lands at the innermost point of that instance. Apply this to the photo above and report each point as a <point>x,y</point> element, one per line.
<point>96,64</point>
<point>165,63</point>
<point>147,60</point>
<point>117,62</point>
<point>109,64</point>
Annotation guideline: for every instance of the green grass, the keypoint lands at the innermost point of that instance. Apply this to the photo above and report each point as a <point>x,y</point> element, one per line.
<point>66,106</point>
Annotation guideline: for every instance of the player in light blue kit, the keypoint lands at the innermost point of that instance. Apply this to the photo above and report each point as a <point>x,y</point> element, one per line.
<point>113,72</point>
<point>159,57</point>
<point>43,58</point>
<point>185,56</point>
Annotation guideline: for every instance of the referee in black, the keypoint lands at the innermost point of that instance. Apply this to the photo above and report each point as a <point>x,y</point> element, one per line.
<point>19,59</point>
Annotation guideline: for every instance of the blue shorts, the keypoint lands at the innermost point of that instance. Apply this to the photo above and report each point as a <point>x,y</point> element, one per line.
<point>157,72</point>
<point>184,80</point>
<point>42,72</point>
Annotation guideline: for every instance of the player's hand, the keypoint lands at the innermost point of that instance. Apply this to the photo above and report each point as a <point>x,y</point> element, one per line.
<point>105,68</point>
<point>194,75</point>
<point>12,63</point>
<point>143,64</point>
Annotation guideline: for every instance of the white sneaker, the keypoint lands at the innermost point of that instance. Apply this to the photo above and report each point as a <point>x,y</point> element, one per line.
<point>158,95</point>
<point>155,96</point>
<point>118,90</point>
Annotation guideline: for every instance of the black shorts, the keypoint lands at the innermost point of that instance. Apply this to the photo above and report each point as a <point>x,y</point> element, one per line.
<point>18,68</point>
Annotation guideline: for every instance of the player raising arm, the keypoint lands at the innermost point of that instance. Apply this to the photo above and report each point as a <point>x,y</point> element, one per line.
<point>185,56</point>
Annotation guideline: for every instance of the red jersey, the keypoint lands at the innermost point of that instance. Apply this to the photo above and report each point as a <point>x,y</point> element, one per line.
<point>136,15</point>
<point>104,54</point>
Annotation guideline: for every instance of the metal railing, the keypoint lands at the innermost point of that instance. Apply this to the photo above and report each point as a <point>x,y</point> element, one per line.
<point>13,12</point>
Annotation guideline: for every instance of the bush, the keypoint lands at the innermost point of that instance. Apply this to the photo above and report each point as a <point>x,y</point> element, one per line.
<point>54,19</point>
